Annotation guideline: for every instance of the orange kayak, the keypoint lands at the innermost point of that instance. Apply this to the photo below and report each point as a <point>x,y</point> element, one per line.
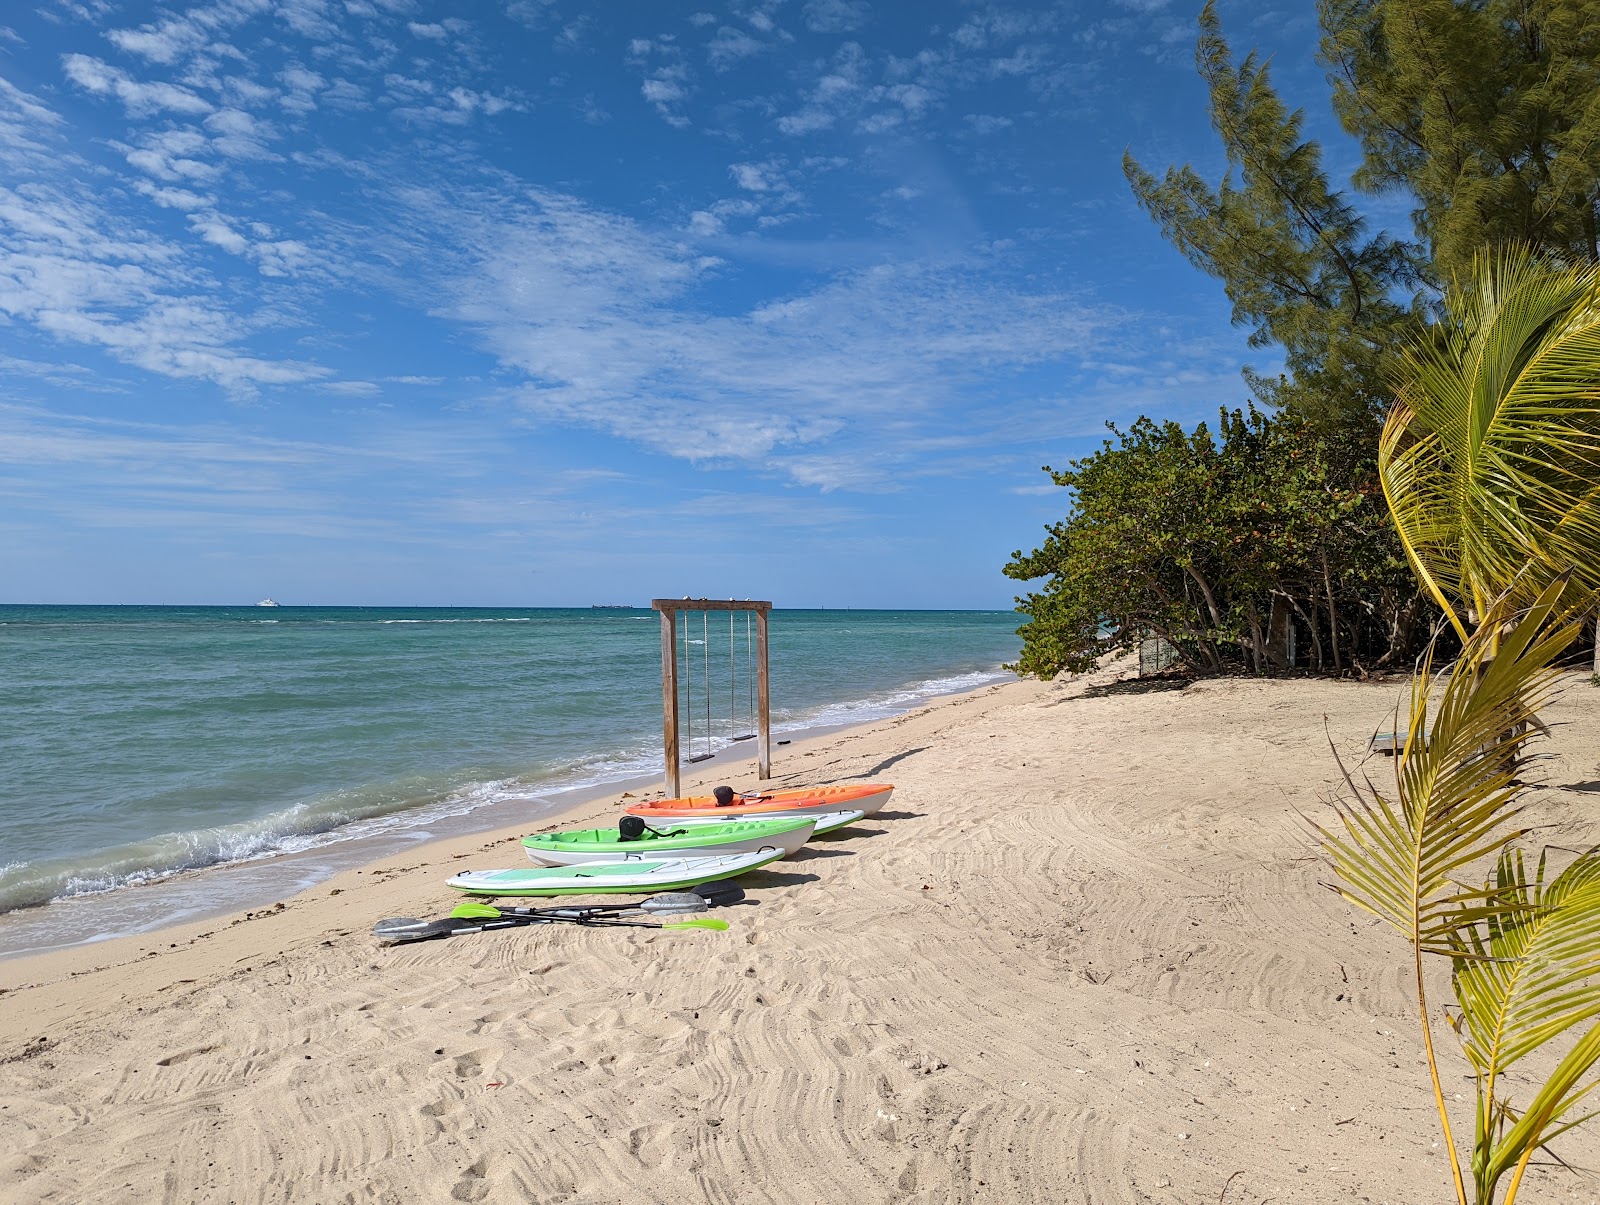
<point>800,801</point>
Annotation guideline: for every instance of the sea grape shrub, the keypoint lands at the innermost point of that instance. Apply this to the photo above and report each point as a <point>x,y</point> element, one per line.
<point>1266,543</point>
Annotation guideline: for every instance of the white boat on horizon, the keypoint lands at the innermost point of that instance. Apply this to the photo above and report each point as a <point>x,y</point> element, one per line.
<point>266,602</point>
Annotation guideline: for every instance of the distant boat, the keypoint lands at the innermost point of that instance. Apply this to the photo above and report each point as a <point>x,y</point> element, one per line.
<point>612,607</point>
<point>266,602</point>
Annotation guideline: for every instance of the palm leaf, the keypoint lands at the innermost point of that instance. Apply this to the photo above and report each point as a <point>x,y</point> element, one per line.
<point>1455,789</point>
<point>1490,458</point>
<point>1524,976</point>
<point>1527,973</point>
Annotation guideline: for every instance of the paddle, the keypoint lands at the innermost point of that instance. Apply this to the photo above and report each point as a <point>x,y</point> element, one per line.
<point>706,895</point>
<point>461,919</point>
<point>398,929</point>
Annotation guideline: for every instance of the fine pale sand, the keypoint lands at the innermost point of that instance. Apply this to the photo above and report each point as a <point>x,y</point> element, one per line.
<point>1083,956</point>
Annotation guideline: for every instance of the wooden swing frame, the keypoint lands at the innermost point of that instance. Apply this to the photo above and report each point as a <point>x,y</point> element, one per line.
<point>669,609</point>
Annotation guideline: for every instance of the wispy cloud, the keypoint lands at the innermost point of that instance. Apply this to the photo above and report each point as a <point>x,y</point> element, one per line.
<point>139,99</point>
<point>836,16</point>
<point>79,272</point>
<point>667,81</point>
<point>607,325</point>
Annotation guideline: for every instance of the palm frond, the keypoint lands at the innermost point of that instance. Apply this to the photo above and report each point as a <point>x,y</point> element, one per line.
<point>1455,788</point>
<point>1532,969</point>
<point>1490,459</point>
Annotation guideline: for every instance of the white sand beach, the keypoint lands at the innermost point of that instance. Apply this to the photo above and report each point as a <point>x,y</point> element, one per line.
<point>1085,955</point>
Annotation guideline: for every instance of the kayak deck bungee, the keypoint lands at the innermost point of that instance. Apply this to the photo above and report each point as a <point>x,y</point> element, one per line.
<point>866,798</point>
<point>600,878</point>
<point>590,845</point>
<point>826,821</point>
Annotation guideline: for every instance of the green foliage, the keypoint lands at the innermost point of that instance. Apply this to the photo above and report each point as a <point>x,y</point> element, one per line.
<point>1521,948</point>
<point>1206,541</point>
<point>1487,113</point>
<point>1490,459</point>
<point>1293,254</point>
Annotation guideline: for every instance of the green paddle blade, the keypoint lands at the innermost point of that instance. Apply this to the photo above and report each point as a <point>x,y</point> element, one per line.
<point>709,922</point>
<point>475,911</point>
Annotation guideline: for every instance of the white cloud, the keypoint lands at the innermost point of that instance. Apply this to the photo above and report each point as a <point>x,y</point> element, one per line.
<point>755,177</point>
<point>237,135</point>
<point>137,98</point>
<point>175,198</point>
<point>730,45</point>
<point>165,43</point>
<point>171,155</point>
<point>219,234</point>
<point>838,89</point>
<point>301,86</point>
<point>836,16</point>
<point>986,123</point>
<point>666,84</point>
<point>75,271</point>
<point>600,317</point>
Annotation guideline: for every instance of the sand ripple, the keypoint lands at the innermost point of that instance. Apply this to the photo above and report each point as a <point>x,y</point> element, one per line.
<point>1125,985</point>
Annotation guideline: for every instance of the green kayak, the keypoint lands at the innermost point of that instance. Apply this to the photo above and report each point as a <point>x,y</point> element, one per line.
<point>582,847</point>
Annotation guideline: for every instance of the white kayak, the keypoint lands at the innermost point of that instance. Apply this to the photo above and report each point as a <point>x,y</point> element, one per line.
<point>603,877</point>
<point>826,821</point>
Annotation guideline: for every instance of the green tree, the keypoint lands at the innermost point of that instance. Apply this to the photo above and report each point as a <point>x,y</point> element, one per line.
<point>1220,545</point>
<point>1487,113</point>
<point>1293,254</point>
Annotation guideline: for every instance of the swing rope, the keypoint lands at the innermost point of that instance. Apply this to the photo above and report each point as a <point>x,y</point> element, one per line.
<point>750,679</point>
<point>688,689</point>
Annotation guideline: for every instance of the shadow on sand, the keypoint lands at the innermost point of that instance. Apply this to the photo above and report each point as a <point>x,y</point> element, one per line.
<point>884,765</point>
<point>776,878</point>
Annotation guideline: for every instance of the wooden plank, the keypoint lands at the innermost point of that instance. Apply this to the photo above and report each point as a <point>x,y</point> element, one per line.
<point>763,703</point>
<point>667,605</point>
<point>669,698</point>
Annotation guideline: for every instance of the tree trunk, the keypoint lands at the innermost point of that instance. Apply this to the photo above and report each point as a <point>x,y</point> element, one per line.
<point>1278,637</point>
<point>1311,626</point>
<point>1333,612</point>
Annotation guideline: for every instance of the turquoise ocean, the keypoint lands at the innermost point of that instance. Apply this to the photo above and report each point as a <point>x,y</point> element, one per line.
<point>270,747</point>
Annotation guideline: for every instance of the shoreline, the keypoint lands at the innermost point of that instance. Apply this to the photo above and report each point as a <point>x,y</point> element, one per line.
<point>582,807</point>
<point>1085,954</point>
<point>180,897</point>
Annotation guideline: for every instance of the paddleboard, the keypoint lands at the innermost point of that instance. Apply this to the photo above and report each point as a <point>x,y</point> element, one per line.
<point>866,799</point>
<point>606,877</point>
<point>582,847</point>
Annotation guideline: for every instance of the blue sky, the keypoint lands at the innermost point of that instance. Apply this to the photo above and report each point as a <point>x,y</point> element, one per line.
<point>514,302</point>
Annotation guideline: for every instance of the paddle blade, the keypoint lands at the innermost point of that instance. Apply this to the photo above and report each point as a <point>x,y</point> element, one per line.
<point>709,922</point>
<point>720,894</point>
<point>471,910</point>
<point>397,929</point>
<point>675,904</point>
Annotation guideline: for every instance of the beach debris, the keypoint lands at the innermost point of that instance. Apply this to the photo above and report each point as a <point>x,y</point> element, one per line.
<point>33,1049</point>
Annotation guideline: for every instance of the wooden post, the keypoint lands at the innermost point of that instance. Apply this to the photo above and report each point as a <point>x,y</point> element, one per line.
<point>763,702</point>
<point>669,697</point>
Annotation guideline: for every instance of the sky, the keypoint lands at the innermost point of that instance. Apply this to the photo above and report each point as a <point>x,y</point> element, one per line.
<point>546,303</point>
